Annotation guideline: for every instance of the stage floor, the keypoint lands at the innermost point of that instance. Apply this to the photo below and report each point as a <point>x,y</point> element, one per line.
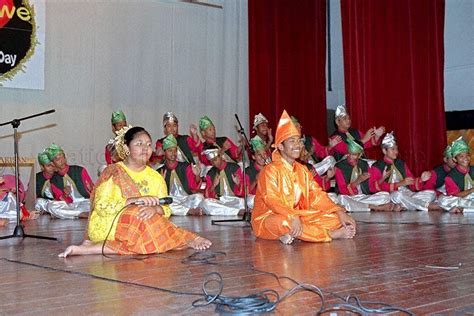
<point>400,259</point>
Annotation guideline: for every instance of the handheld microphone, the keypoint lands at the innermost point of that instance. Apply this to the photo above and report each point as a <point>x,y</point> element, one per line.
<point>163,201</point>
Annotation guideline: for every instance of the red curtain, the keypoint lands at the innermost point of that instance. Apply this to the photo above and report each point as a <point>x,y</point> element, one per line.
<point>287,56</point>
<point>394,60</point>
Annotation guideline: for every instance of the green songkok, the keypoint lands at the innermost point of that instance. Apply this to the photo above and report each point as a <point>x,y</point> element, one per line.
<point>459,146</point>
<point>354,147</point>
<point>53,150</point>
<point>448,152</point>
<point>169,142</point>
<point>257,143</point>
<point>118,116</point>
<point>43,158</point>
<point>204,122</point>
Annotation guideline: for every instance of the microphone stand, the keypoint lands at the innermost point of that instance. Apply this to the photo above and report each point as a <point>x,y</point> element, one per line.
<point>19,231</point>
<point>244,145</point>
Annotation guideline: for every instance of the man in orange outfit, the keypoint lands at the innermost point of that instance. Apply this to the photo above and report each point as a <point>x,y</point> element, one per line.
<point>289,203</point>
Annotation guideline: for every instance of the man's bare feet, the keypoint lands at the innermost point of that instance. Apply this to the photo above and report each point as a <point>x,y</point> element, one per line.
<point>434,207</point>
<point>387,207</point>
<point>33,215</point>
<point>456,210</point>
<point>286,239</point>
<point>396,207</point>
<point>196,212</point>
<point>241,212</point>
<point>84,215</point>
<point>200,243</point>
<point>345,232</point>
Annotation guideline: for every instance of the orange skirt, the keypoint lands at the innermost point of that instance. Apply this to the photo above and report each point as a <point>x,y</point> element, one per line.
<point>154,235</point>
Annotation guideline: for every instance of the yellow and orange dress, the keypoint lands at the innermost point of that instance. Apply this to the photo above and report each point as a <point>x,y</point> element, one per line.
<point>128,234</point>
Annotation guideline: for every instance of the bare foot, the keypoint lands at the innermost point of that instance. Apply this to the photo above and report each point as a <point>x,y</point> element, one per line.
<point>455,210</point>
<point>68,252</point>
<point>241,212</point>
<point>347,232</point>
<point>84,215</point>
<point>200,243</point>
<point>286,239</point>
<point>434,207</point>
<point>3,222</point>
<point>396,208</point>
<point>33,215</point>
<point>382,208</point>
<point>196,212</point>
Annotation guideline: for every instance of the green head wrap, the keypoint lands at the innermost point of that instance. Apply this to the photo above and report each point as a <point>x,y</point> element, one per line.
<point>169,142</point>
<point>448,152</point>
<point>43,158</point>
<point>459,146</point>
<point>118,116</point>
<point>354,147</point>
<point>257,143</point>
<point>53,150</point>
<point>204,122</point>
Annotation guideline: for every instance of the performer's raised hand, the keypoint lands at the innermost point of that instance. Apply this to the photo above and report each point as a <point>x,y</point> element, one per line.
<point>330,173</point>
<point>370,133</point>
<point>333,141</point>
<point>236,179</point>
<point>216,181</point>
<point>196,169</point>
<point>425,176</point>
<point>226,145</point>
<point>379,131</point>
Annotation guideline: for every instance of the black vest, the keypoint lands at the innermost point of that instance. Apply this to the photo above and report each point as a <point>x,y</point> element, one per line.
<point>181,173</point>
<point>399,164</point>
<point>458,177</point>
<point>229,170</point>
<point>347,169</point>
<point>75,173</point>
<point>40,183</point>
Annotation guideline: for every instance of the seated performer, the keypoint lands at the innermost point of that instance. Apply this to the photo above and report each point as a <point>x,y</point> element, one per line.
<point>224,186</point>
<point>188,146</point>
<point>71,184</point>
<point>323,180</point>
<point>344,131</point>
<point>438,174</point>
<point>229,151</point>
<point>352,184</point>
<point>459,181</point>
<point>44,194</point>
<point>260,127</point>
<point>8,201</point>
<point>316,154</point>
<point>259,160</point>
<point>118,121</point>
<point>392,175</point>
<point>289,203</point>
<point>126,216</point>
<point>182,179</point>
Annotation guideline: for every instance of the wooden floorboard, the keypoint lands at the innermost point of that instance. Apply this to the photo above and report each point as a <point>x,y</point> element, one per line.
<point>388,261</point>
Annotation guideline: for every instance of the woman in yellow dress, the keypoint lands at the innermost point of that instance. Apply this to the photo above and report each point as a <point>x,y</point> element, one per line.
<point>126,213</point>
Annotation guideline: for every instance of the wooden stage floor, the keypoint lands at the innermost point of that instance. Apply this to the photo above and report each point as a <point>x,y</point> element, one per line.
<point>395,258</point>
